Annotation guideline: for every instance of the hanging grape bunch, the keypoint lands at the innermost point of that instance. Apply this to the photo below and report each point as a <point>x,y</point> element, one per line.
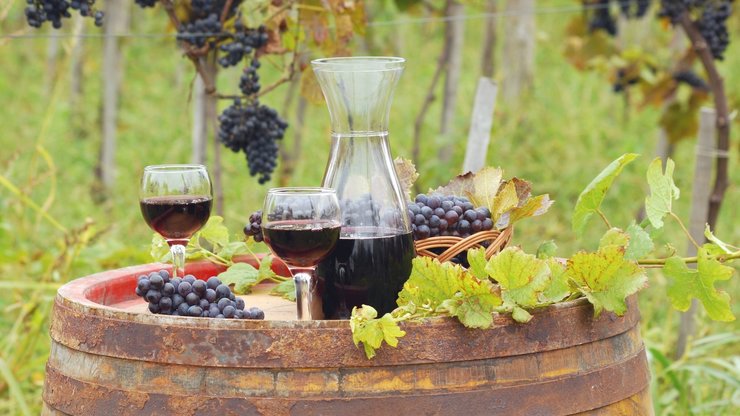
<point>246,125</point>
<point>53,11</point>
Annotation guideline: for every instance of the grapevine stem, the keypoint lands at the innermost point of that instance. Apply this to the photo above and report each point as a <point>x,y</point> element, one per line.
<point>603,217</point>
<point>225,11</point>
<point>683,227</point>
<point>694,259</point>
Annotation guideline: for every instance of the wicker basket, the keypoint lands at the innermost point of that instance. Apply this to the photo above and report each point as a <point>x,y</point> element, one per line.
<point>498,239</point>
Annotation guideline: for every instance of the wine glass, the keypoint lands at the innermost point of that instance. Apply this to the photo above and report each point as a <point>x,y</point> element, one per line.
<point>301,226</point>
<point>176,202</point>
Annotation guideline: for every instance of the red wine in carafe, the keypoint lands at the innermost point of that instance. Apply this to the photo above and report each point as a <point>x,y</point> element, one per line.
<point>176,217</point>
<point>367,267</point>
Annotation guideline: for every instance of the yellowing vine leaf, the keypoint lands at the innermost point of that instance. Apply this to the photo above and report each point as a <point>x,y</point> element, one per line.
<point>591,198</point>
<point>557,287</point>
<point>474,304</point>
<point>407,175</point>
<point>521,276</point>
<point>480,187</point>
<point>371,331</point>
<point>606,278</point>
<point>662,191</point>
<point>431,283</point>
<point>686,284</point>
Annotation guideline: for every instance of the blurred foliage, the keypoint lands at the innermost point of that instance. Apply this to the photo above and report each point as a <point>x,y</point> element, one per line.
<point>562,133</point>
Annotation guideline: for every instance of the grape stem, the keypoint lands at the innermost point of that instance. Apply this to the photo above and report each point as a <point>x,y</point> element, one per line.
<point>603,217</point>
<point>683,227</point>
<point>660,262</point>
<point>716,84</point>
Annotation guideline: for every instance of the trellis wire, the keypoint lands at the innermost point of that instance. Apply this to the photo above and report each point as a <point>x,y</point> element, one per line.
<point>398,22</point>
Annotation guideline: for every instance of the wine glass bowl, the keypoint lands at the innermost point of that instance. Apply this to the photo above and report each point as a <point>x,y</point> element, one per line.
<point>301,226</point>
<point>176,202</point>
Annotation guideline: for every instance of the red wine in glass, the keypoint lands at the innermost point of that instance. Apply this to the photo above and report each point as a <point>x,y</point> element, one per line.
<point>176,201</point>
<point>176,217</point>
<point>302,243</point>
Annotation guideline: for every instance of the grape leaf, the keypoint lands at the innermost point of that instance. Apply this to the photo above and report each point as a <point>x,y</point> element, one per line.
<point>546,249</point>
<point>477,261</point>
<point>474,304</point>
<point>285,289</point>
<point>215,232</point>
<point>640,243</point>
<point>407,175</point>
<point>533,207</point>
<point>521,276</point>
<point>480,188</point>
<point>606,278</point>
<point>521,315</point>
<point>558,287</point>
<point>614,237</point>
<point>505,200</point>
<point>371,331</point>
<point>160,250</point>
<point>590,199</point>
<point>686,284</point>
<point>232,249</point>
<point>726,248</point>
<point>242,275</point>
<point>431,283</point>
<point>662,191</point>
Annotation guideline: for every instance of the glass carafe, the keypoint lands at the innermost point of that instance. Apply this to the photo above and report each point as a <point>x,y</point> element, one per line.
<point>372,260</point>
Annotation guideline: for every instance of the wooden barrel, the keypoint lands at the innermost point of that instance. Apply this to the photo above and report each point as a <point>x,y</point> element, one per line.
<point>111,357</point>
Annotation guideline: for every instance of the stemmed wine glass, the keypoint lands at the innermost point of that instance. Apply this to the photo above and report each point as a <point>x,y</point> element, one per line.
<point>301,226</point>
<point>176,202</point>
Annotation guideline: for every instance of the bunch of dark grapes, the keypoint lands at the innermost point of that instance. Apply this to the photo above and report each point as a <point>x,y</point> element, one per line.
<point>39,11</point>
<point>713,27</point>
<point>242,43</point>
<point>192,297</point>
<point>672,9</point>
<point>146,3</point>
<point>199,31</point>
<point>253,129</point>
<point>438,215</point>
<point>254,228</point>
<point>602,19</point>
<point>691,79</point>
<point>249,83</point>
<point>634,8</point>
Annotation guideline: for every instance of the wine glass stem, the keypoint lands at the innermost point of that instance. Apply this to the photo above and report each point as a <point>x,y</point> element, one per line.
<point>178,260</point>
<point>303,282</point>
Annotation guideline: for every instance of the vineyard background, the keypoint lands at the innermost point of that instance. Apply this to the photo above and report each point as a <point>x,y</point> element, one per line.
<point>54,225</point>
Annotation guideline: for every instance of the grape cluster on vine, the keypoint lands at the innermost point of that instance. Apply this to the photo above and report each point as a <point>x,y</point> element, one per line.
<point>253,129</point>
<point>241,44</point>
<point>53,11</point>
<point>199,31</point>
<point>192,297</point>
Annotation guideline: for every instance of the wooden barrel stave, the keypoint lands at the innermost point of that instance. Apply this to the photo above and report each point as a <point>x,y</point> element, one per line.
<point>107,360</point>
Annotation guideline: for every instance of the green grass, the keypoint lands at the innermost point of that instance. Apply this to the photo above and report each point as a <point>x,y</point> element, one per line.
<point>559,136</point>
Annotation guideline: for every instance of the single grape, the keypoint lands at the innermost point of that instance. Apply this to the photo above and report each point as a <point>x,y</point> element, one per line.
<point>213,282</point>
<point>192,299</point>
<point>189,278</point>
<point>204,304</point>
<point>199,287</point>
<point>195,311</point>
<point>240,303</point>
<point>223,291</point>
<point>168,289</point>
<point>153,296</point>
<point>184,289</point>
<point>210,295</point>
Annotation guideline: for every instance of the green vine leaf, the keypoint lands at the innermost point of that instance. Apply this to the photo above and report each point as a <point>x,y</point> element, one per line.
<point>474,304</point>
<point>726,248</point>
<point>547,249</point>
<point>614,237</point>
<point>640,243</point>
<point>606,278</point>
<point>232,249</point>
<point>477,261</point>
<point>480,188</point>
<point>214,232</point>
<point>242,275</point>
<point>431,283</point>
<point>371,331</point>
<point>521,277</point>
<point>686,284</point>
<point>593,195</point>
<point>662,191</point>
<point>285,290</point>
<point>160,250</point>
<point>558,287</point>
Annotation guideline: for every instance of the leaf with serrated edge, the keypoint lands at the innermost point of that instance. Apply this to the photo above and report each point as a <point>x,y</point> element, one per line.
<point>640,243</point>
<point>614,237</point>
<point>521,276</point>
<point>407,175</point>
<point>662,191</point>
<point>242,275</point>
<point>590,199</point>
<point>477,261</point>
<point>719,243</point>
<point>460,185</point>
<point>160,250</point>
<point>606,278</point>
<point>371,332</point>
<point>534,206</point>
<point>214,232</point>
<point>685,284</point>
<point>431,282</point>
<point>232,249</point>
<point>546,249</point>
<point>474,304</point>
<point>558,287</point>
<point>480,188</point>
<point>505,200</point>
